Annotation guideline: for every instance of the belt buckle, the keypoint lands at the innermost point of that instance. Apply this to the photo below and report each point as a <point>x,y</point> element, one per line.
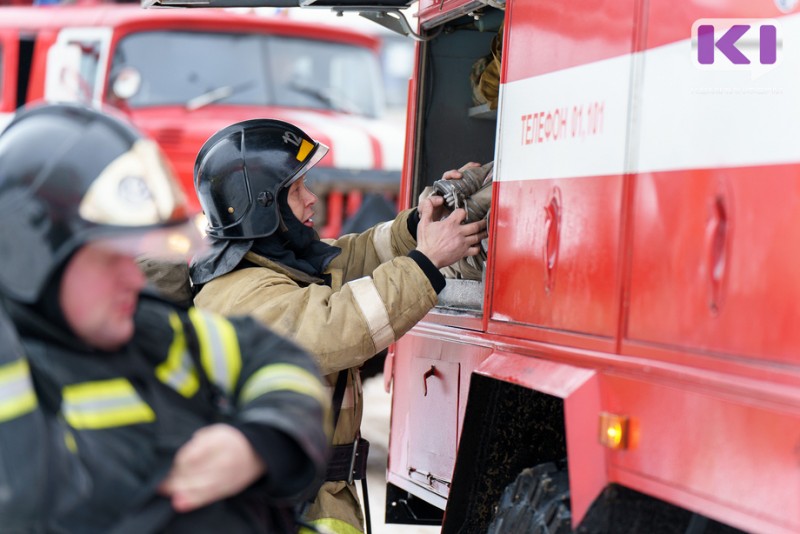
<point>351,472</point>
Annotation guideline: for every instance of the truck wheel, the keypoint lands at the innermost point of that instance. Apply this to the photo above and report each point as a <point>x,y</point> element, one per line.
<point>537,502</point>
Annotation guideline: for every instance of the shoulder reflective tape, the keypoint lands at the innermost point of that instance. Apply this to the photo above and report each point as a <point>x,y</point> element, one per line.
<point>219,348</point>
<point>374,311</point>
<point>104,404</point>
<point>16,390</point>
<point>382,241</point>
<point>284,377</point>
<point>177,371</point>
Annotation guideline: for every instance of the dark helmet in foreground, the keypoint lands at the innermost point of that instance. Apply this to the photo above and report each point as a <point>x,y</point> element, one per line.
<point>241,169</point>
<point>71,174</point>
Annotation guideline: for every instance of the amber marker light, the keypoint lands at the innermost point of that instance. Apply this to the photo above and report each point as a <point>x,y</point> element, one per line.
<point>614,431</point>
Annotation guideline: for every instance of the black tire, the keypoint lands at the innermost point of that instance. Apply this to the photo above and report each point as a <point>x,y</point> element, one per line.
<point>537,502</point>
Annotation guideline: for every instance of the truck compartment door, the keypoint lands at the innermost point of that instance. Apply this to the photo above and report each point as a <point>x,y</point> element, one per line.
<point>716,205</point>
<point>563,140</point>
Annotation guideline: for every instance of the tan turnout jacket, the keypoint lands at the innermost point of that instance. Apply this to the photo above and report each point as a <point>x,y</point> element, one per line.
<point>377,294</point>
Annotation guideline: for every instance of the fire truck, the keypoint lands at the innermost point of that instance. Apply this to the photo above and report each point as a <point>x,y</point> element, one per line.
<point>181,75</point>
<point>630,361</point>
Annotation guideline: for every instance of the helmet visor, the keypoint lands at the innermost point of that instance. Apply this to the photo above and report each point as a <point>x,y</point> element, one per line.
<point>137,189</point>
<point>138,209</point>
<point>180,241</point>
<point>313,159</point>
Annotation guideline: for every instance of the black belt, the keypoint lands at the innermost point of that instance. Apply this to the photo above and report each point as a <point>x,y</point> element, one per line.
<point>348,462</point>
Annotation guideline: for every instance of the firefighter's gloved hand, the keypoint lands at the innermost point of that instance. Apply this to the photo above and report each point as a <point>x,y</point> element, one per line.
<point>457,174</point>
<point>216,463</point>
<point>472,191</point>
<point>470,267</point>
<point>446,241</point>
<point>452,174</point>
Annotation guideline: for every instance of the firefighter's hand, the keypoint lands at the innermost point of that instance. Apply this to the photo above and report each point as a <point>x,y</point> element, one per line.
<point>216,463</point>
<point>446,241</point>
<point>454,174</point>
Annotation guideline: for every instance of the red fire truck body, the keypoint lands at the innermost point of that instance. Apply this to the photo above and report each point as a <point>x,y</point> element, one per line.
<point>188,73</point>
<point>638,312</point>
<point>641,255</point>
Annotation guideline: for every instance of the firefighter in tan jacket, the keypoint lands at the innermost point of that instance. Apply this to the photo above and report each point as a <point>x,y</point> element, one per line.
<point>343,300</point>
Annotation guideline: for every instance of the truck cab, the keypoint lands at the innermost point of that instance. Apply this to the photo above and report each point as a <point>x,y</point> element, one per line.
<point>181,75</point>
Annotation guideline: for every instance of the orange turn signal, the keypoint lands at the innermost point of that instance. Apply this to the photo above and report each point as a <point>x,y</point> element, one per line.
<point>614,431</point>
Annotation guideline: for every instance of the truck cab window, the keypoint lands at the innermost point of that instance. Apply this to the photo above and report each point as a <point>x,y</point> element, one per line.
<point>318,74</point>
<point>201,68</point>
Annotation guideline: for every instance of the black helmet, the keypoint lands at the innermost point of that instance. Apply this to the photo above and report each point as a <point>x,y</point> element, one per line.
<point>240,170</point>
<point>70,174</point>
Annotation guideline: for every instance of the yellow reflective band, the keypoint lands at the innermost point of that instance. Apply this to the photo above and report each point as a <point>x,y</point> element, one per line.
<point>69,441</point>
<point>219,348</point>
<point>177,371</point>
<point>330,525</point>
<point>17,397</point>
<point>304,150</point>
<point>284,377</point>
<point>287,377</point>
<point>104,404</point>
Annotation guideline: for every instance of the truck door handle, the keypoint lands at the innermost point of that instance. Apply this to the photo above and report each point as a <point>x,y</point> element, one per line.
<point>429,478</point>
<point>552,225</point>
<point>717,243</point>
<point>430,372</point>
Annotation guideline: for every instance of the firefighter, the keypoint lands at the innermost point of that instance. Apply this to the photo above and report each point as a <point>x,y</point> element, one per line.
<point>120,412</point>
<point>343,300</point>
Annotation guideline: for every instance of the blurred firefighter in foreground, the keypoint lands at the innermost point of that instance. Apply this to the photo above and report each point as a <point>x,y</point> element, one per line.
<point>120,412</point>
<point>344,300</point>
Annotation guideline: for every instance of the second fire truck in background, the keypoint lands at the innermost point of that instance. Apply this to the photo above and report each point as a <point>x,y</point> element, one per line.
<point>180,75</point>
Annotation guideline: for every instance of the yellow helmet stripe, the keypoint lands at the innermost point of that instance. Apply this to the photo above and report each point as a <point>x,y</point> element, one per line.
<point>304,150</point>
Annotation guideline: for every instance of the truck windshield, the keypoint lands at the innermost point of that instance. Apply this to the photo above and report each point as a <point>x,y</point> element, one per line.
<point>196,69</point>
